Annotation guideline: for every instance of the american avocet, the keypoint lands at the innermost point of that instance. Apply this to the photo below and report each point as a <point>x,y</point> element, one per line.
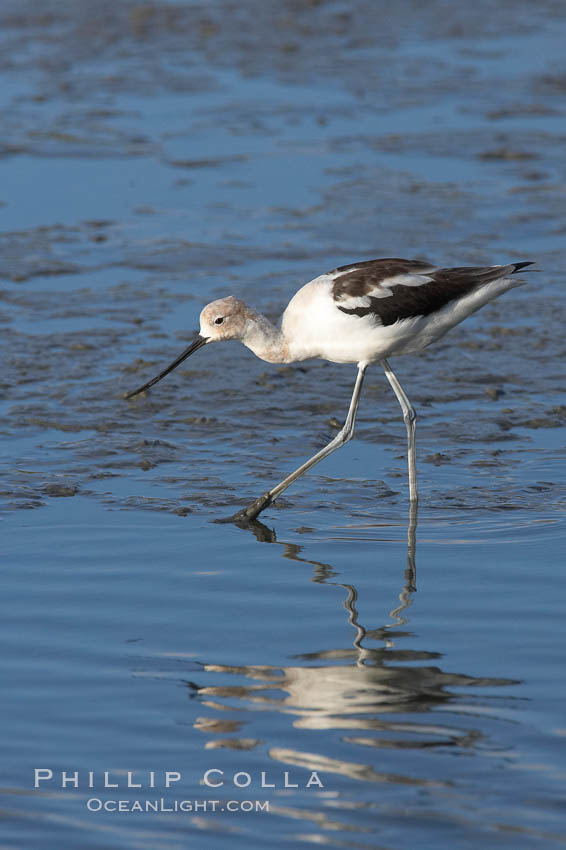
<point>358,313</point>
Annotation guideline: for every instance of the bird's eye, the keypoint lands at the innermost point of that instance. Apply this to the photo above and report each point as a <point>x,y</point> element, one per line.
<point>219,320</point>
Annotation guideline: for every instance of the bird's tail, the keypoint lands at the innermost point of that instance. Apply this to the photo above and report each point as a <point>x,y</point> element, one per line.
<point>516,267</point>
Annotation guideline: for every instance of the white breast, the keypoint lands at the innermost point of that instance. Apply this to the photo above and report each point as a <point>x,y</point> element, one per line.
<point>314,327</point>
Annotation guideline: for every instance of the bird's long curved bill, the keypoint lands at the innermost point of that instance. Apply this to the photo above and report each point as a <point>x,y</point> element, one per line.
<point>194,346</point>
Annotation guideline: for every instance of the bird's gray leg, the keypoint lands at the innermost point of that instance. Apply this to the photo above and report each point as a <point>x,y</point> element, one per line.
<point>410,419</point>
<point>342,437</point>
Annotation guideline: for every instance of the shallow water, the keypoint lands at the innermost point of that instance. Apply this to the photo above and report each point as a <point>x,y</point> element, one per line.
<point>157,156</point>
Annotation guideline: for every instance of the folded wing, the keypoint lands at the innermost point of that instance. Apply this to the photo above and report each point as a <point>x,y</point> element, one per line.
<point>392,289</point>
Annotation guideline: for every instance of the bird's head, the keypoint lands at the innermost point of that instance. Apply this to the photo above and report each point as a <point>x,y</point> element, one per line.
<point>226,318</point>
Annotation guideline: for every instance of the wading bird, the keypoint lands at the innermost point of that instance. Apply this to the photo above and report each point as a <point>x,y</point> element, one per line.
<point>358,313</point>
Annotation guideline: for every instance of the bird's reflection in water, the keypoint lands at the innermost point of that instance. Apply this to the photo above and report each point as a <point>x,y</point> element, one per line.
<point>353,689</point>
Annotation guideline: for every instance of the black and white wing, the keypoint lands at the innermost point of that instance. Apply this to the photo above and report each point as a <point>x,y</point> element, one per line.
<point>392,289</point>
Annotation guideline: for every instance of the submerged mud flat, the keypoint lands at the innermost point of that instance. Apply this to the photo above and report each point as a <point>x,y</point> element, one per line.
<point>155,156</point>
<point>161,155</point>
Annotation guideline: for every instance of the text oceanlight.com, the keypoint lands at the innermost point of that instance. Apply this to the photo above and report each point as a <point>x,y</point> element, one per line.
<point>95,804</point>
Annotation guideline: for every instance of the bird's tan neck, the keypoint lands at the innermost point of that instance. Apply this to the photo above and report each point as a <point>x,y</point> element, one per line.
<point>265,340</point>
